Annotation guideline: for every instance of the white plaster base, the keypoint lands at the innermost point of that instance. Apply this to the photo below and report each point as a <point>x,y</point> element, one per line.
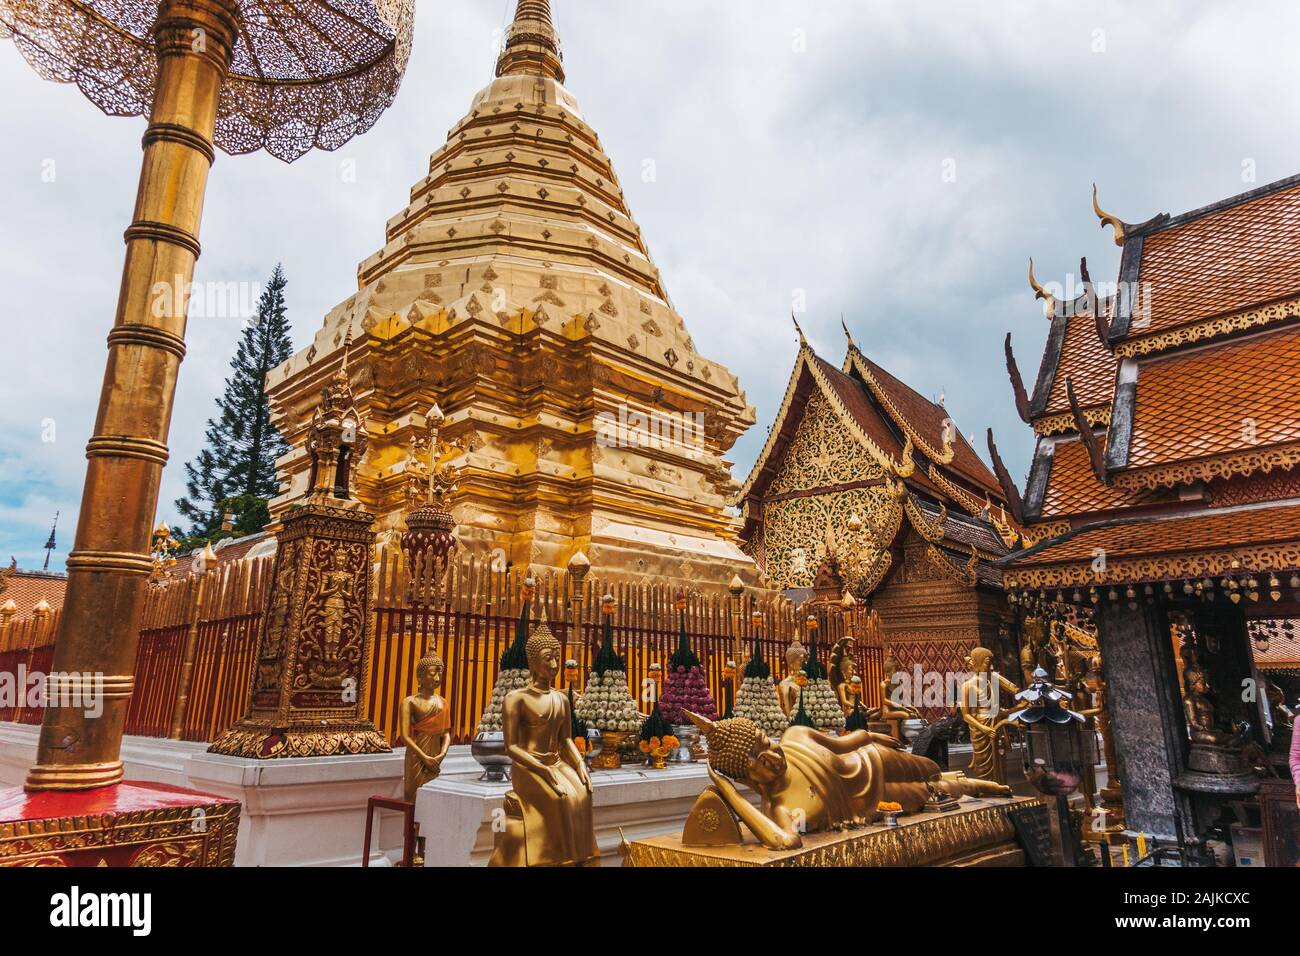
<point>295,812</point>
<point>455,812</point>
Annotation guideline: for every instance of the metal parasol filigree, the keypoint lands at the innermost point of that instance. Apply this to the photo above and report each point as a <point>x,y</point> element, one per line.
<point>304,74</point>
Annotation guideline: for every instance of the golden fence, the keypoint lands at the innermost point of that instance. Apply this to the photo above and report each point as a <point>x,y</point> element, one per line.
<point>26,649</point>
<point>466,612</point>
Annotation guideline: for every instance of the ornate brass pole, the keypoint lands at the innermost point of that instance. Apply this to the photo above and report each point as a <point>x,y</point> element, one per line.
<point>202,566</point>
<point>110,561</point>
<point>737,589</point>
<point>579,567</point>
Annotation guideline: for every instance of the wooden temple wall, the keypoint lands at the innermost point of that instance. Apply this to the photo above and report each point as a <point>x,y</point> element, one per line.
<point>930,620</point>
<point>467,614</point>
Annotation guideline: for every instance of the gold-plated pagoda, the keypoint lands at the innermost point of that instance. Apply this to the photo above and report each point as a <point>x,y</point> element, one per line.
<point>589,417</point>
<point>532,46</point>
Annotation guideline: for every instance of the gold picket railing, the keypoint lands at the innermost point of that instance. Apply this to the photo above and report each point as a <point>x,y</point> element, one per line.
<point>467,612</point>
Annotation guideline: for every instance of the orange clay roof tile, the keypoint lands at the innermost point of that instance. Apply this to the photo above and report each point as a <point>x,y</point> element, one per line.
<point>1206,531</point>
<point>1087,363</point>
<point>28,587</point>
<point>1072,488</point>
<point>1229,260</point>
<point>1237,396</point>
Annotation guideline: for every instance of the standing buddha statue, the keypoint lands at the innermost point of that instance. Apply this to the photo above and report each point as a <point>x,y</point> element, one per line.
<point>424,727</point>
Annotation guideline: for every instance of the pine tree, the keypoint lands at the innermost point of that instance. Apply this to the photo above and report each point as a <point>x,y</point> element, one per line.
<point>236,471</point>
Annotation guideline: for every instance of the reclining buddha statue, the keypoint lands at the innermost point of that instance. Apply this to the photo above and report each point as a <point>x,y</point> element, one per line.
<point>812,783</point>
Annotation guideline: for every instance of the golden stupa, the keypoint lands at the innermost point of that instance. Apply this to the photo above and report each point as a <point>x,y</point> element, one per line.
<point>516,294</point>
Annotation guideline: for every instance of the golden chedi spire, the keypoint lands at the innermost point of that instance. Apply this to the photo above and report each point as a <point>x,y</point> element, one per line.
<point>532,47</point>
<point>516,292</point>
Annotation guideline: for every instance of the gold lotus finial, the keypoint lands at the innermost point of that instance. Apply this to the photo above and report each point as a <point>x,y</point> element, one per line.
<point>1049,300</point>
<point>1107,219</point>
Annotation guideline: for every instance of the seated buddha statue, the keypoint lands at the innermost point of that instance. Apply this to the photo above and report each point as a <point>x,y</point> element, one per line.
<point>891,711</point>
<point>812,783</point>
<point>424,727</point>
<point>843,670</point>
<point>548,818</point>
<point>788,691</point>
<point>1201,720</point>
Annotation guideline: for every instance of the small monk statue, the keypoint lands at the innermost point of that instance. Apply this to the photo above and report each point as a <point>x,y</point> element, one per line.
<point>424,727</point>
<point>788,691</point>
<point>811,782</point>
<point>548,819</point>
<point>980,705</point>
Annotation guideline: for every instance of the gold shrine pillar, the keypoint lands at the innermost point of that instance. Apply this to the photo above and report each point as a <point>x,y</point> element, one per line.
<point>308,686</point>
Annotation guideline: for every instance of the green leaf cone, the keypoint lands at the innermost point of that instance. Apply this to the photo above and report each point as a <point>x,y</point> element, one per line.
<point>609,659</point>
<point>516,656</point>
<point>757,667</point>
<point>683,656</point>
<point>857,719</point>
<point>655,725</point>
<point>801,718</point>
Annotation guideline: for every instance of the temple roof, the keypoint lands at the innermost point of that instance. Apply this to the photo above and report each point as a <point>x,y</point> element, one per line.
<point>1212,411</point>
<point>1061,482</point>
<point>1238,254</point>
<point>925,422</point>
<point>1258,538</point>
<point>1076,354</point>
<point>894,423</point>
<point>27,588</point>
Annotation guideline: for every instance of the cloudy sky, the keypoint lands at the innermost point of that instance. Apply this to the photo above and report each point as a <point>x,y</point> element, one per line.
<point>898,162</point>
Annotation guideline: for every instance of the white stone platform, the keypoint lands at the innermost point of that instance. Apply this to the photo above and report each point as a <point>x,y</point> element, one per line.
<point>455,812</point>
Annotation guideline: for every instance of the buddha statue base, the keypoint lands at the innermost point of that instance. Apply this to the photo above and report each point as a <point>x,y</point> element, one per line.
<point>979,833</point>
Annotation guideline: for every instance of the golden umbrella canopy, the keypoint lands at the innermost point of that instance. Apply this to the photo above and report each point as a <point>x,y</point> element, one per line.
<point>303,74</point>
<point>279,75</point>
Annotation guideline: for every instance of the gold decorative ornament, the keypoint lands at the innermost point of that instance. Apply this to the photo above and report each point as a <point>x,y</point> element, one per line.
<point>1222,325</point>
<point>308,686</point>
<point>1117,226</point>
<point>548,820</point>
<point>1049,300</point>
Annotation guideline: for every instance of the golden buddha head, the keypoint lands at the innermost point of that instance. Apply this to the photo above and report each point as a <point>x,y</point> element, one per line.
<point>740,750</point>
<point>795,655</point>
<point>544,653</point>
<point>428,673</point>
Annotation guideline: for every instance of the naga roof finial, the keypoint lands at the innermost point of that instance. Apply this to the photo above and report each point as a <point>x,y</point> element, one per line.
<point>1049,300</point>
<point>847,334</point>
<point>803,342</point>
<point>1107,219</point>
